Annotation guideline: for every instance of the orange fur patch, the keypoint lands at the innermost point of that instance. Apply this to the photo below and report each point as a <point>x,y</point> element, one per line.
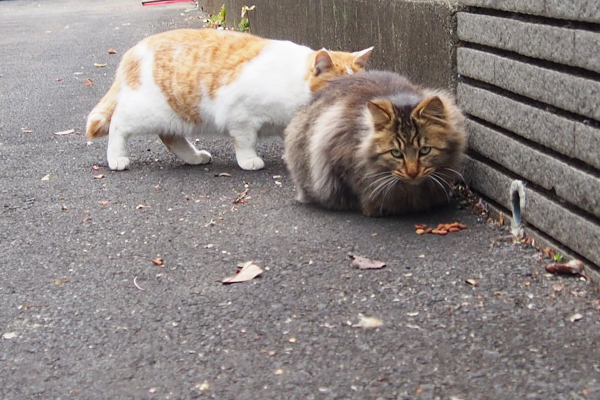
<point>131,70</point>
<point>187,60</point>
<point>342,63</point>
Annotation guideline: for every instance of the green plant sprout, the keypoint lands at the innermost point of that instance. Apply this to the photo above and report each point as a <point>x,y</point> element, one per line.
<point>218,20</point>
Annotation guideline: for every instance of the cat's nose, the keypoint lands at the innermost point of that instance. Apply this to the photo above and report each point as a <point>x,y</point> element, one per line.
<point>412,170</point>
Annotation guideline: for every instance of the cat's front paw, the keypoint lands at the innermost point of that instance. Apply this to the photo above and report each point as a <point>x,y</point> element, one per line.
<point>252,163</point>
<point>118,163</point>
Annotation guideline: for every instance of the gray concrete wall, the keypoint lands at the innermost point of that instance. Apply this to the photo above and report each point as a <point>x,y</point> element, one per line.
<point>417,38</point>
<point>530,85</point>
<point>526,73</point>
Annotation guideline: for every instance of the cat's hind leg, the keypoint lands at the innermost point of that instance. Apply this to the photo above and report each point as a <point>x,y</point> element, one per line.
<point>184,149</point>
<point>244,141</point>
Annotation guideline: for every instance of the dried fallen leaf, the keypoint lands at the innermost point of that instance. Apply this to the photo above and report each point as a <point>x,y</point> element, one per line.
<point>99,65</point>
<point>67,132</point>
<point>158,261</point>
<point>46,177</point>
<point>248,272</point>
<point>367,322</point>
<point>224,174</point>
<point>88,82</point>
<point>365,263</point>
<point>61,281</point>
<point>101,176</point>
<point>575,317</point>
<point>112,51</point>
<point>573,267</point>
<point>472,282</point>
<point>141,206</point>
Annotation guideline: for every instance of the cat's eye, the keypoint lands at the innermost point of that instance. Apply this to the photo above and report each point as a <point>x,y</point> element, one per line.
<point>424,150</point>
<point>396,153</point>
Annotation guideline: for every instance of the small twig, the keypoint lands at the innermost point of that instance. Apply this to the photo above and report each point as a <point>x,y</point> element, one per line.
<point>136,285</point>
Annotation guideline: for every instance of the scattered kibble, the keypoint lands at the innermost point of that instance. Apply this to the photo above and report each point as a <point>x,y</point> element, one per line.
<point>441,229</point>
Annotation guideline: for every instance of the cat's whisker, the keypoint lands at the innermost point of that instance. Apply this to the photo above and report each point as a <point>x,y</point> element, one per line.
<point>443,179</point>
<point>375,174</point>
<point>387,180</point>
<point>462,178</point>
<point>390,186</point>
<point>378,180</point>
<point>436,180</point>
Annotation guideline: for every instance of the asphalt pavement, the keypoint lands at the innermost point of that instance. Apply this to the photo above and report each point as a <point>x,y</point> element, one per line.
<point>86,314</point>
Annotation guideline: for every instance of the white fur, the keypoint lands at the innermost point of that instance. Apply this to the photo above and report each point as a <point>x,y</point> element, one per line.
<point>320,166</point>
<point>267,93</point>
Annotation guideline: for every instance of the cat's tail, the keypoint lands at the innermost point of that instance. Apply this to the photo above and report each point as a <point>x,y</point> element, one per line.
<point>98,121</point>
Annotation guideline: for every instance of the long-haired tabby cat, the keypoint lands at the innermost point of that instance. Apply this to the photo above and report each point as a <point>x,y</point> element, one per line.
<point>188,81</point>
<point>375,142</point>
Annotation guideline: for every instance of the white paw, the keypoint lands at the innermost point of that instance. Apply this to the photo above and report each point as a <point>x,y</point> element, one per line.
<point>201,157</point>
<point>119,163</point>
<point>252,163</point>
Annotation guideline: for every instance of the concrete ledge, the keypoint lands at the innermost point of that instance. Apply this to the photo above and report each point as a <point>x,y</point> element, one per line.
<point>571,138</point>
<point>572,47</point>
<point>578,10</point>
<point>415,38</point>
<point>575,232</point>
<point>577,187</point>
<point>569,92</point>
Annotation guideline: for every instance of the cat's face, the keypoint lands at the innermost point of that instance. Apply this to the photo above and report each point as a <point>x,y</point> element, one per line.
<point>327,65</point>
<point>416,140</point>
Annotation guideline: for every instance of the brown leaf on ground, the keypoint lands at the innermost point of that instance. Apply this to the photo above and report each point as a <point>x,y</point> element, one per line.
<point>247,272</point>
<point>112,51</point>
<point>158,261</point>
<point>573,267</point>
<point>100,176</point>
<point>88,82</point>
<point>365,263</point>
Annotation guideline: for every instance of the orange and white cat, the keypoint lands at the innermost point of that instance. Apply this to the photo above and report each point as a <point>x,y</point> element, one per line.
<point>189,81</point>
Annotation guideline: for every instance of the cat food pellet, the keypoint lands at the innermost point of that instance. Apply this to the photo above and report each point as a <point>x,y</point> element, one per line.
<point>440,229</point>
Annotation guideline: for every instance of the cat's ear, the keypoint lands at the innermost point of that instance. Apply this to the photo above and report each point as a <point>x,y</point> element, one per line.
<point>361,57</point>
<point>432,108</point>
<point>323,62</point>
<point>382,112</point>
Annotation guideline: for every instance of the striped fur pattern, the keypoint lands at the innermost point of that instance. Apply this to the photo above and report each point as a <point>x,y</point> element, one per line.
<point>377,143</point>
